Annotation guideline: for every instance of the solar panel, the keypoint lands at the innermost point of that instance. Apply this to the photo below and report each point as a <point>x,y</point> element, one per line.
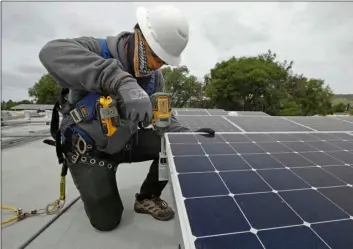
<point>218,123</point>
<point>266,124</point>
<point>263,190</point>
<point>324,123</point>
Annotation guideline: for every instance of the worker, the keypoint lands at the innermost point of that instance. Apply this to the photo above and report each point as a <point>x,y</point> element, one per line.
<point>127,68</point>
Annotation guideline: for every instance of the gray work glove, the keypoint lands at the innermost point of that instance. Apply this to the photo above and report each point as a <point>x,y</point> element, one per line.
<point>135,104</point>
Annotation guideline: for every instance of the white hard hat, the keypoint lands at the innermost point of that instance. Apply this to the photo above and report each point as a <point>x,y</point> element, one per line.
<point>166,31</point>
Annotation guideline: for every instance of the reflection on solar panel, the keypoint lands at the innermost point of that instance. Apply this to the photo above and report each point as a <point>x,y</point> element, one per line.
<point>268,190</point>
<point>250,114</point>
<point>324,123</point>
<point>346,118</point>
<point>199,112</point>
<point>193,113</point>
<point>217,112</point>
<point>214,112</point>
<point>215,122</point>
<point>267,124</point>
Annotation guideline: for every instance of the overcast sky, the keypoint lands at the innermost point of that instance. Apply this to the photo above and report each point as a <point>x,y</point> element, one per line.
<point>317,36</point>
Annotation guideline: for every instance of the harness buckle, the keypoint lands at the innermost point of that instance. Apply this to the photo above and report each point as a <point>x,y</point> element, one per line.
<point>81,144</point>
<point>75,115</point>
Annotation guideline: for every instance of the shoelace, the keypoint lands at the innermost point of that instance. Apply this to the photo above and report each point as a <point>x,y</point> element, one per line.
<point>160,203</point>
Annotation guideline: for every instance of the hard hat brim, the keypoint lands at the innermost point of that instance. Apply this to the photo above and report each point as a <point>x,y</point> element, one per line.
<point>142,20</point>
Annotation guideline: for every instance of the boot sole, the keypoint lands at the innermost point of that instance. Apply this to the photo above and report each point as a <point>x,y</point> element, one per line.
<point>141,211</point>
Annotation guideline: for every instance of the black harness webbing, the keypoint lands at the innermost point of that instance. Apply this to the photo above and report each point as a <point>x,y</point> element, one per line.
<point>55,132</point>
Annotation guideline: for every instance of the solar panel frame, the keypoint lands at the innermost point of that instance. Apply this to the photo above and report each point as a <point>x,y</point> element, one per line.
<point>188,237</point>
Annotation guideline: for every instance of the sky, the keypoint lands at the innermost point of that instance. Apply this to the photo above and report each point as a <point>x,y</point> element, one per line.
<point>317,36</point>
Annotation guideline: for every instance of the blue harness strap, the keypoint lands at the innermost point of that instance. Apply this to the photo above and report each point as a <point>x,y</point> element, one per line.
<point>150,88</point>
<point>105,53</point>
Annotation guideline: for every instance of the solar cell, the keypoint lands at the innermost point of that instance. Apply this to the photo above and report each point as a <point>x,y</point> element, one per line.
<point>266,124</point>
<point>324,123</point>
<point>217,123</point>
<point>343,172</point>
<point>336,234</point>
<point>263,190</point>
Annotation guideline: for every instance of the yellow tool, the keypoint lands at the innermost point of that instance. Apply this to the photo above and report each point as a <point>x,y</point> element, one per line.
<point>108,115</point>
<point>162,110</point>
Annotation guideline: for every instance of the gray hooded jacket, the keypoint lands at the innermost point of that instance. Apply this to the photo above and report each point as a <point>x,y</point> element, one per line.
<point>76,64</point>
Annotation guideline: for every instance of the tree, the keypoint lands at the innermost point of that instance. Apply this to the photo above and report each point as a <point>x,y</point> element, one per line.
<point>263,84</point>
<point>185,88</point>
<point>338,108</point>
<point>290,108</point>
<point>248,83</point>
<point>45,91</point>
<point>311,94</point>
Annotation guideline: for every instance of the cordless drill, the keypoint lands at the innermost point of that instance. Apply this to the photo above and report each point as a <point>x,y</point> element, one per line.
<point>161,111</point>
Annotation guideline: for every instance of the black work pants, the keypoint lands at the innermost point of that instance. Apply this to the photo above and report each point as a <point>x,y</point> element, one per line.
<point>98,186</point>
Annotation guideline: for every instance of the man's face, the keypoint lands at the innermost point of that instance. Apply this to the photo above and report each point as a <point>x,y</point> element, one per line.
<point>153,61</point>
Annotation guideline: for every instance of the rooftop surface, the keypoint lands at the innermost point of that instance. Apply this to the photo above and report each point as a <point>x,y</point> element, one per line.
<point>30,180</point>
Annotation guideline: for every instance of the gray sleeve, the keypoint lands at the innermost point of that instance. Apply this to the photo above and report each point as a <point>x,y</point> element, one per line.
<point>77,64</point>
<point>175,126</point>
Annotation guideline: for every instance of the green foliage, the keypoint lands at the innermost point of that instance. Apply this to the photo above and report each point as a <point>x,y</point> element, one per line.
<point>351,112</point>
<point>290,108</point>
<point>248,83</point>
<point>263,84</point>
<point>6,105</point>
<point>338,108</point>
<point>186,90</point>
<point>45,91</point>
<point>315,97</point>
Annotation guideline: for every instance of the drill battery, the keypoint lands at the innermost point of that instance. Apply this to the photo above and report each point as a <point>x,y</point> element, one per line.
<point>162,109</point>
<point>108,115</point>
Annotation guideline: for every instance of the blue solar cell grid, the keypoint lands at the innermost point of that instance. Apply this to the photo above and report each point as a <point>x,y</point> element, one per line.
<point>268,190</point>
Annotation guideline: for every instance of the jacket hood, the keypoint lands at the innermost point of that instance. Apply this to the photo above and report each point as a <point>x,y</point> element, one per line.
<point>116,45</point>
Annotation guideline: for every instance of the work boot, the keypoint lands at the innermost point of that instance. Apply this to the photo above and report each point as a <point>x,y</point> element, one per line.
<point>156,207</point>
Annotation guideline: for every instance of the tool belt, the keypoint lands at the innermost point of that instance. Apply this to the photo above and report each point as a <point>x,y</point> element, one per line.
<point>76,150</point>
<point>75,144</point>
